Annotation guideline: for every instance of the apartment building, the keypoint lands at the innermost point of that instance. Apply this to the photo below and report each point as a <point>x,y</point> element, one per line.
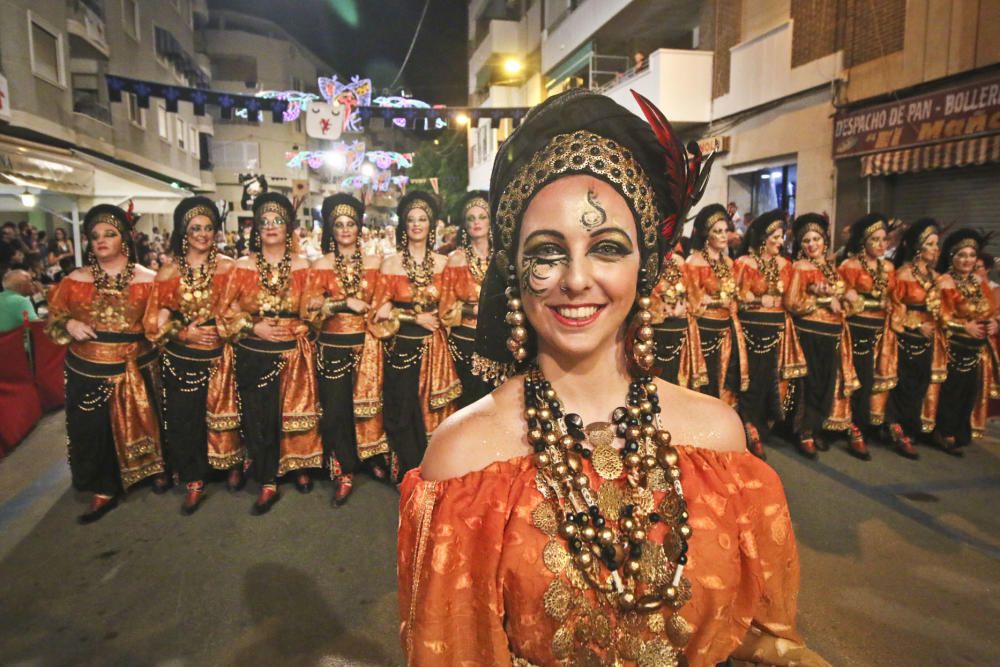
<point>836,106</point>
<point>63,146</point>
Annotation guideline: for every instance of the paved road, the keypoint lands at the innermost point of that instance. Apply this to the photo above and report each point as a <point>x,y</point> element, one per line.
<point>900,566</point>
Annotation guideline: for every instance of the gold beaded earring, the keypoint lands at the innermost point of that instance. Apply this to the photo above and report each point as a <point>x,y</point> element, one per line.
<point>643,345</point>
<point>184,245</point>
<point>515,319</point>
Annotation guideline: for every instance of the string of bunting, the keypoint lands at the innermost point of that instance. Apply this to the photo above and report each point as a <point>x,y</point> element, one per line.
<point>228,103</point>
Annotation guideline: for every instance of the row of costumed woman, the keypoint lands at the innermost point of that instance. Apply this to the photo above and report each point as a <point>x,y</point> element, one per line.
<point>270,366</point>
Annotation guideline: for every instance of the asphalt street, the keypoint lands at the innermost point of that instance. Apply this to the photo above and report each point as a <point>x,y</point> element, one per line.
<point>900,566</point>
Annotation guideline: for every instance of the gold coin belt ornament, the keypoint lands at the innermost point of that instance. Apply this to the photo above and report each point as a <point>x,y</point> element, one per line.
<point>673,283</point>
<point>196,287</point>
<point>771,271</point>
<point>477,265</point>
<point>108,307</point>
<point>928,282</point>
<point>727,284</point>
<point>349,275</point>
<point>879,276</point>
<point>830,275</point>
<point>421,277</point>
<point>273,284</point>
<point>599,539</point>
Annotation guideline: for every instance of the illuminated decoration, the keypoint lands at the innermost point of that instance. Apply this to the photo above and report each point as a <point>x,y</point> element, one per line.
<point>379,182</point>
<point>408,103</point>
<point>325,120</point>
<point>341,158</point>
<point>297,102</point>
<point>356,93</point>
<point>386,159</point>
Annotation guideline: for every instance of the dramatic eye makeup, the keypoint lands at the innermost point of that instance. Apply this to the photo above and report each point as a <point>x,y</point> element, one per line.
<point>543,252</point>
<point>612,244</point>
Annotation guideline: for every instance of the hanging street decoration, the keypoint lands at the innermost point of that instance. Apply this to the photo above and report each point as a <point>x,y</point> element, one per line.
<point>353,97</point>
<point>343,158</point>
<point>408,103</point>
<point>379,182</point>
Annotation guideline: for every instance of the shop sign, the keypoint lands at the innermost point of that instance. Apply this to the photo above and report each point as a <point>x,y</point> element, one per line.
<point>716,144</point>
<point>4,98</point>
<point>961,112</point>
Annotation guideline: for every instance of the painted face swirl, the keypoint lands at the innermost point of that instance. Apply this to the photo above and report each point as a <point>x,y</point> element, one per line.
<point>594,216</point>
<point>538,272</point>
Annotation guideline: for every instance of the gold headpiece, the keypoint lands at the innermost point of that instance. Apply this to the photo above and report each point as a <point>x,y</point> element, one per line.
<point>872,228</point>
<point>965,243</point>
<point>107,219</point>
<point>472,203</point>
<point>777,224</point>
<point>812,227</point>
<point>195,211</point>
<point>928,231</point>
<point>714,218</point>
<point>272,207</point>
<point>344,209</point>
<point>580,152</point>
<point>423,206</point>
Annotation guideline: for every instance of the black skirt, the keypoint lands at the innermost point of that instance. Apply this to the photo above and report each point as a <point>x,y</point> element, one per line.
<point>866,334</point>
<point>670,337</point>
<point>258,386</point>
<point>403,417</point>
<point>462,343</point>
<point>961,388</point>
<point>337,359</point>
<point>714,334</point>
<point>820,342</point>
<point>186,372</point>
<point>914,369</point>
<point>761,402</point>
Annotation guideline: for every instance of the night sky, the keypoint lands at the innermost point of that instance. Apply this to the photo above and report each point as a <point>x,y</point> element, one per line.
<point>371,37</point>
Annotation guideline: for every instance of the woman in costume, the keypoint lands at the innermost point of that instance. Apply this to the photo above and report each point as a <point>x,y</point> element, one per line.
<point>815,298</point>
<point>969,316</point>
<point>111,412</point>
<point>420,383</point>
<point>773,353</point>
<point>569,517</point>
<point>200,416</point>
<point>275,363</point>
<point>868,282</point>
<point>460,304</point>
<point>340,291</point>
<point>922,346</point>
<point>678,346</point>
<point>712,299</point>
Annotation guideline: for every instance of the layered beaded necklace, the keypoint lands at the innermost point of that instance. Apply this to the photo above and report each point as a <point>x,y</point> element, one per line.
<point>727,284</point>
<point>349,275</point>
<point>879,276</point>
<point>196,286</point>
<point>830,275</point>
<point>672,281</point>
<point>972,291</point>
<point>477,265</point>
<point>600,538</point>
<point>771,271</point>
<point>273,283</point>
<point>420,275</point>
<point>928,282</point>
<point>108,306</point>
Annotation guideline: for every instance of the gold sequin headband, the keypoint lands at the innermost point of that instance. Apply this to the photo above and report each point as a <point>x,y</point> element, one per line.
<point>107,219</point>
<point>777,224</point>
<point>965,243</point>
<point>872,228</point>
<point>714,218</point>
<point>344,209</point>
<point>272,207</point>
<point>812,227</point>
<point>423,206</point>
<point>195,211</point>
<point>924,235</point>
<point>580,152</point>
<point>474,202</point>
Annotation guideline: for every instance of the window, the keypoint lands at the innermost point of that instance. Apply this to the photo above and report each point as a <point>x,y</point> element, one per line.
<point>181,134</point>
<point>46,47</point>
<point>235,68</point>
<point>236,155</point>
<point>87,94</point>
<point>193,141</point>
<point>136,115</point>
<point>130,18</point>
<point>161,122</point>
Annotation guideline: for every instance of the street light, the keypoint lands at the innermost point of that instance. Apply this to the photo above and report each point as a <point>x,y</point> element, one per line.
<point>368,169</point>
<point>512,66</point>
<point>28,199</point>
<point>462,119</point>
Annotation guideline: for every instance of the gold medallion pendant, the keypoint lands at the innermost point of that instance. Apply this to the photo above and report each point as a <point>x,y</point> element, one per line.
<point>606,459</point>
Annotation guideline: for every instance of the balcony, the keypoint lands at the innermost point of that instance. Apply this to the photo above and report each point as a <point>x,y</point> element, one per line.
<point>677,81</point>
<point>85,25</point>
<point>502,38</point>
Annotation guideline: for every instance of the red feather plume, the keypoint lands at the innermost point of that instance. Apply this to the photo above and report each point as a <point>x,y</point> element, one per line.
<point>128,211</point>
<point>686,169</point>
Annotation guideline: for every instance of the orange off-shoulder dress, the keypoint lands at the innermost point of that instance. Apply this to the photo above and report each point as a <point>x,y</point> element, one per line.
<point>111,391</point>
<point>824,399</point>
<point>478,579</point>
<point>276,381</point>
<point>420,381</point>
<point>873,342</point>
<point>461,295</point>
<point>722,341</point>
<point>678,344</point>
<point>200,413</point>
<point>973,371</point>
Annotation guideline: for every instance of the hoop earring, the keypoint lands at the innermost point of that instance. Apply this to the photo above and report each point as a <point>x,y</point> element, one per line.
<point>643,345</point>
<point>515,318</point>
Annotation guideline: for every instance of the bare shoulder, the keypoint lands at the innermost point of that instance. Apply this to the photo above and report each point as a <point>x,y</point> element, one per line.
<point>905,272</point>
<point>695,259</point>
<point>747,260</point>
<point>323,262</point>
<point>782,262</point>
<point>299,263</point>
<point>82,275</point>
<point>699,420</point>
<point>246,263</point>
<point>166,272</point>
<point>372,261</point>
<point>143,275</point>
<point>802,265</point>
<point>457,258</point>
<point>489,430</point>
<point>224,264</point>
<point>440,261</point>
<point>393,264</point>
<point>887,265</point>
<point>945,281</point>
<point>850,263</point>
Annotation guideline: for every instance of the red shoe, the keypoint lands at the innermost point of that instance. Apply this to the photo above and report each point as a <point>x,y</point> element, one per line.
<point>856,446</point>
<point>99,506</point>
<point>193,499</point>
<point>345,484</point>
<point>807,446</point>
<point>903,445</point>
<point>754,444</point>
<point>236,480</point>
<point>162,483</point>
<point>266,499</point>
<point>303,482</point>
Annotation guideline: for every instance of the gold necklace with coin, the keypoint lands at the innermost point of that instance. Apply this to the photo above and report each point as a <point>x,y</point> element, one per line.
<point>599,538</point>
<point>727,284</point>
<point>477,265</point>
<point>830,275</point>
<point>928,282</point>
<point>349,275</point>
<point>771,271</point>
<point>972,291</point>
<point>110,295</point>
<point>196,287</point>
<point>421,277</point>
<point>274,283</point>
<point>673,283</point>
<point>879,276</point>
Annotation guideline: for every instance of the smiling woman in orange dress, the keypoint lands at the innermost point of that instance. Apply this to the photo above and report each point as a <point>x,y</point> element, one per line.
<point>585,512</point>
